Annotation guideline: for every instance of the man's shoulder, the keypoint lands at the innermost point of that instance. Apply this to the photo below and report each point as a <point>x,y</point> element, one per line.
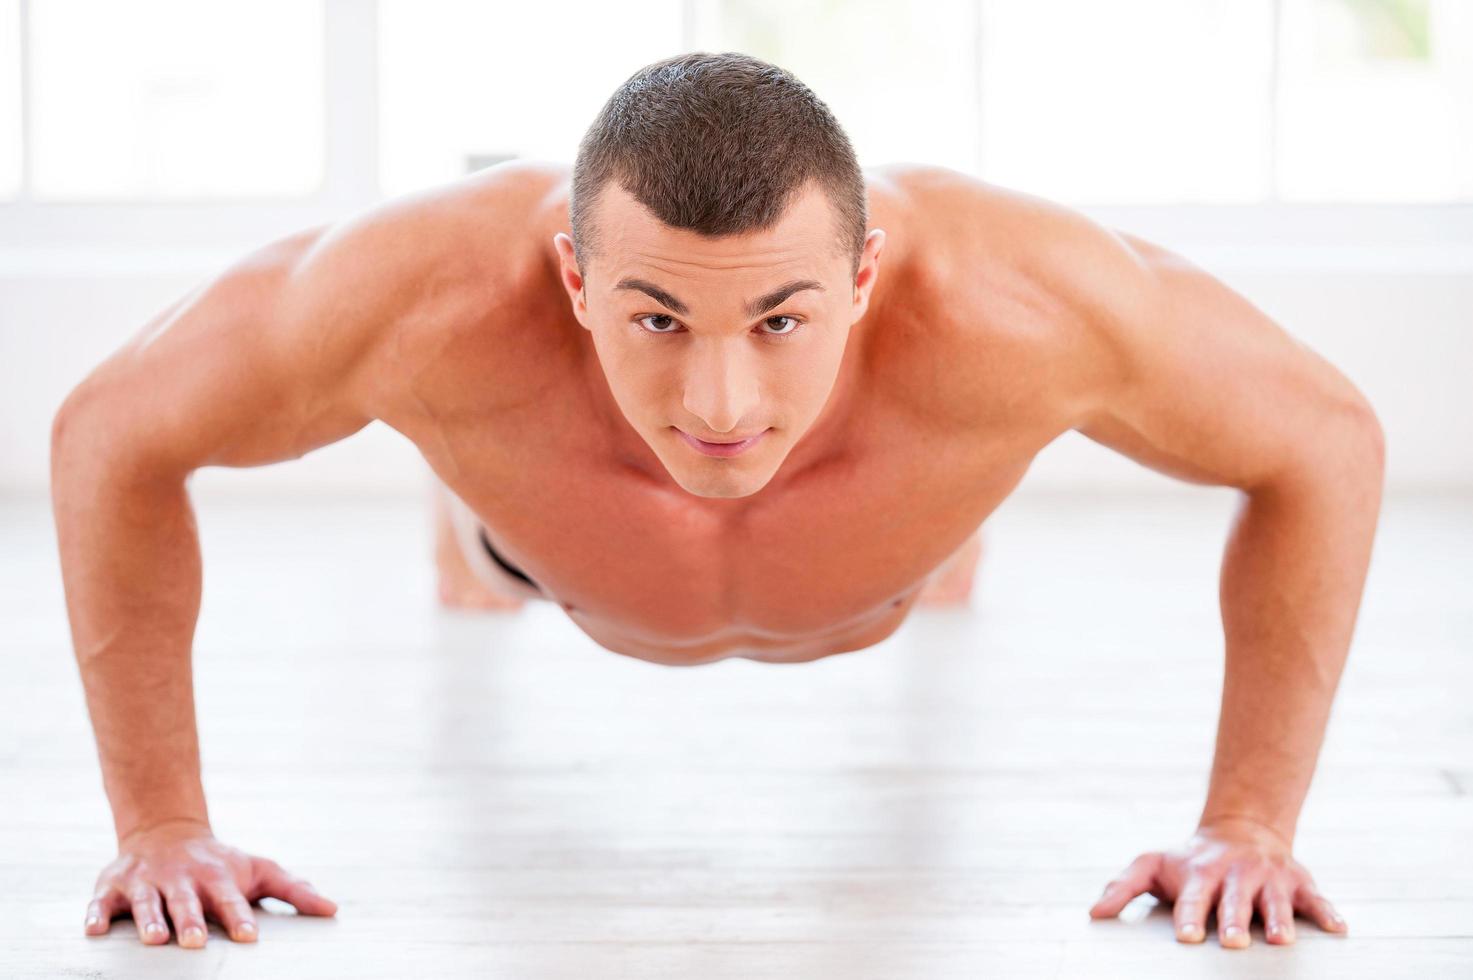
<point>1014,281</point>
<point>479,218</point>
<point>977,224</point>
<point>410,247</point>
<point>459,264</point>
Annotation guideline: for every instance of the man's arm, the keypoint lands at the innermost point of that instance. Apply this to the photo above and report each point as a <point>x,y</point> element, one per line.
<point>248,369</point>
<point>1203,385</point>
<point>266,362</point>
<point>1189,378</point>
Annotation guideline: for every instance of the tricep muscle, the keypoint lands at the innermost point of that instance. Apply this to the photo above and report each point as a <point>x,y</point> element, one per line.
<point>262,363</point>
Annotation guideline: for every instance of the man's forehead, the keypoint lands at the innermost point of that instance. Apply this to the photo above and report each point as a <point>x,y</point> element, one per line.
<point>700,269</point>
<point>803,235</point>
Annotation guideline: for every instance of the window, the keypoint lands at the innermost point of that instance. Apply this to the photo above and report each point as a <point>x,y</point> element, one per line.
<point>899,77</point>
<point>1376,100</point>
<point>10,125</point>
<point>175,98</point>
<point>1131,101</point>
<point>464,83</point>
<point>1229,101</point>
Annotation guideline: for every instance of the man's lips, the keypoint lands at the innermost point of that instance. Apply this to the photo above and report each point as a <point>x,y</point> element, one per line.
<point>726,442</point>
<point>725,447</point>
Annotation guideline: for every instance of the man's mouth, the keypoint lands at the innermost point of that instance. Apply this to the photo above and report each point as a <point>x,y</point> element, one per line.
<point>722,447</point>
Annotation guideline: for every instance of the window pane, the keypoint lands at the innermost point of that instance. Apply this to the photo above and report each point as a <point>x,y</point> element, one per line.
<point>899,77</point>
<point>1376,100</point>
<point>177,98</point>
<point>10,146</point>
<point>465,82</point>
<point>1131,101</point>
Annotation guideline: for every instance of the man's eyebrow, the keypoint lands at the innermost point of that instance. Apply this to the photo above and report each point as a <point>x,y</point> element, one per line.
<point>759,305</point>
<point>764,303</point>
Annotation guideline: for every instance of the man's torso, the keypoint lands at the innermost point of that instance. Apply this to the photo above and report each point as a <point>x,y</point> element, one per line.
<point>957,375</point>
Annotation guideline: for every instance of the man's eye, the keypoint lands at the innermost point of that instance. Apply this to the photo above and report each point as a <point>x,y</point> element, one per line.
<point>658,322</point>
<point>657,316</point>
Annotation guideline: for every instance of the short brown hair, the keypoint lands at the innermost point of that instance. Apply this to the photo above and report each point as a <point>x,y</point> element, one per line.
<point>719,144</point>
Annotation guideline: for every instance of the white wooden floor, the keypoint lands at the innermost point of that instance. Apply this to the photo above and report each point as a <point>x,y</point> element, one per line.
<point>497,795</point>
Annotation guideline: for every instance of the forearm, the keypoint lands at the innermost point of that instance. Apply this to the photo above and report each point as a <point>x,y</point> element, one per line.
<point>131,570</point>
<point>1292,577</point>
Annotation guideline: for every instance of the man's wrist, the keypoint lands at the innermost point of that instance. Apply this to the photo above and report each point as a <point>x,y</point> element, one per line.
<point>138,828</point>
<point>1284,835</point>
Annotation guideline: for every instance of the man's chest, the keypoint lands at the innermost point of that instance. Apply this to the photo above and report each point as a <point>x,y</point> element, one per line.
<point>847,538</point>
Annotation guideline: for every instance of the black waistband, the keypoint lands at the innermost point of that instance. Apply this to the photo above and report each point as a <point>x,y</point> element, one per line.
<point>508,566</point>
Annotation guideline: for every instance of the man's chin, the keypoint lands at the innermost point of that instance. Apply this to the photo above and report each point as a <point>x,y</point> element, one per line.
<point>717,485</point>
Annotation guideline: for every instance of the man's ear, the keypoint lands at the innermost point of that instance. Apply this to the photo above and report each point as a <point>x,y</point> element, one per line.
<point>571,278</point>
<point>869,270</point>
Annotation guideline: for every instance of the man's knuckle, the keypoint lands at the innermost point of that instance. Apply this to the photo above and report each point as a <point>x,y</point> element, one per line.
<point>185,900</point>
<point>176,886</point>
<point>213,891</point>
<point>213,876</point>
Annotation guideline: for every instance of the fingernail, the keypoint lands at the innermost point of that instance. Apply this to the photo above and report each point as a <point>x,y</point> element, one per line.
<point>1233,932</point>
<point>194,934</point>
<point>1190,931</point>
<point>153,928</point>
<point>247,929</point>
<point>92,920</point>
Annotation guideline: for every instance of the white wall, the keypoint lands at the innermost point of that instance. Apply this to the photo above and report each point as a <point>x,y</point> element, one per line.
<point>1402,330</point>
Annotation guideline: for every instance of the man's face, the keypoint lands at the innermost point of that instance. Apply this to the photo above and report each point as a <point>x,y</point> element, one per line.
<point>719,339</point>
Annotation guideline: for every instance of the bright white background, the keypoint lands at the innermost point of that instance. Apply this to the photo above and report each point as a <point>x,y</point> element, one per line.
<point>1317,155</point>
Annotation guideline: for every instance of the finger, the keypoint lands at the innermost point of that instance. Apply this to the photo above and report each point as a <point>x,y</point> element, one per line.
<point>188,915</point>
<point>230,907</point>
<point>273,881</point>
<point>1189,912</point>
<point>1277,912</point>
<point>1133,881</point>
<point>1235,908</point>
<point>1310,903</point>
<point>100,911</point>
<point>148,913</point>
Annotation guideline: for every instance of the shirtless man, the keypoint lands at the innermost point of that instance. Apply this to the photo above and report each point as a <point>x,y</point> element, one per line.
<point>722,282</point>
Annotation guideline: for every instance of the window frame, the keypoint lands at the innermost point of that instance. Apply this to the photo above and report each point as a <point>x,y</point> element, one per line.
<point>194,236</point>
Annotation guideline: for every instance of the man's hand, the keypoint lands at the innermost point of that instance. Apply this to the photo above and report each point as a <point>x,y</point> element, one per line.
<point>1238,865</point>
<point>178,865</point>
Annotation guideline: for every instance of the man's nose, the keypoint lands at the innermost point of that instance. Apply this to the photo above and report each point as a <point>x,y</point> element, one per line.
<point>721,386</point>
